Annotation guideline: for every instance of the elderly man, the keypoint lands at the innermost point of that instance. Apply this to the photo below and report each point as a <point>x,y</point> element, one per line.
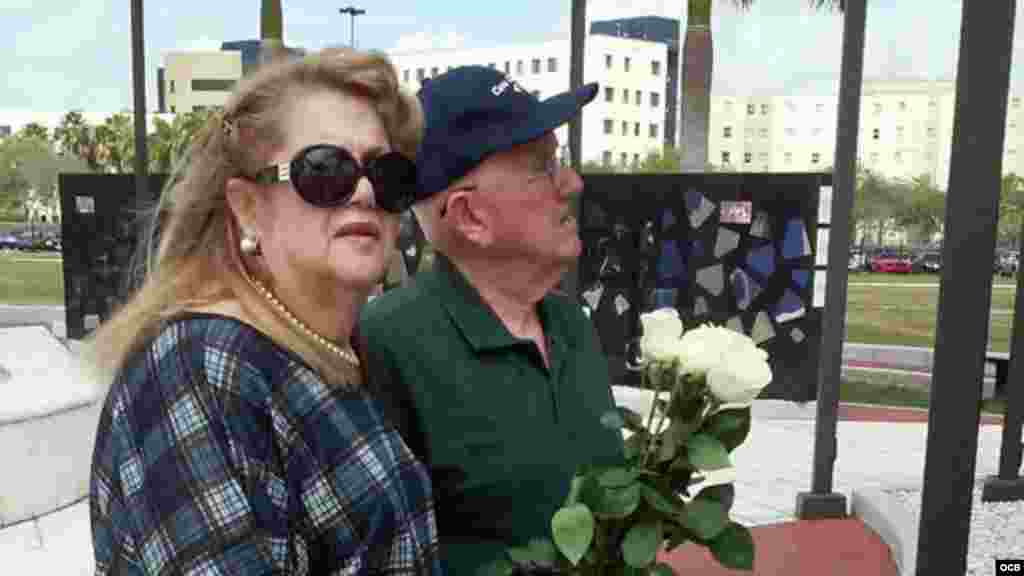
<point>496,380</point>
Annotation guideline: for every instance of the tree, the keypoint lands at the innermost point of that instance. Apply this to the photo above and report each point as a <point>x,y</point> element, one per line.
<point>922,207</point>
<point>875,205</point>
<point>667,161</point>
<point>698,55</point>
<point>594,167</point>
<point>34,130</point>
<point>29,167</point>
<point>76,137</point>
<point>1011,210</point>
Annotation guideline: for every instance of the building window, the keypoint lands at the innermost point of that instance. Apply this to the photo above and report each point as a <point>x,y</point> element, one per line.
<point>552,64</point>
<point>212,85</point>
<point>655,99</point>
<point>1016,102</point>
<point>636,129</point>
<point>625,128</point>
<point>655,68</point>
<point>654,131</point>
<point>898,157</point>
<point>876,134</point>
<point>625,63</point>
<point>764,109</point>
<point>931,132</point>
<point>763,133</point>
<point>790,106</point>
<point>608,61</point>
<point>623,158</point>
<point>606,158</point>
<point>747,157</point>
<point>1013,125</point>
<point>815,157</point>
<point>932,103</point>
<point>609,94</point>
<point>625,95</point>
<point>727,106</point>
<point>878,108</point>
<point>727,132</point>
<point>508,67</point>
<point>874,157</point>
<point>763,156</point>
<point>750,110</point>
<point>636,160</point>
<point>790,132</point>
<point>819,107</point>
<point>638,98</point>
<point>172,82</point>
<point>726,158</point>
<point>608,125</point>
<point>749,133</point>
<point>173,111</point>
<point>519,67</point>
<point>1011,152</point>
<point>433,72</point>
<point>788,158</point>
<point>899,133</point>
<point>903,106</point>
<point>535,66</point>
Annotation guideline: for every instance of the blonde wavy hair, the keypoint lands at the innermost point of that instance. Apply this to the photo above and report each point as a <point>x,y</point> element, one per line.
<point>196,260</point>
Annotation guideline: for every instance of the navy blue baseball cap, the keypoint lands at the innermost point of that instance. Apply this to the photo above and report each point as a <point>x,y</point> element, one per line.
<point>472,112</point>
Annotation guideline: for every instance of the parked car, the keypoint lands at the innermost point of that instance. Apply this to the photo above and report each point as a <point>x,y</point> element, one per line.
<point>927,263</point>
<point>12,242</point>
<point>891,262</point>
<point>1006,264</point>
<point>858,261</point>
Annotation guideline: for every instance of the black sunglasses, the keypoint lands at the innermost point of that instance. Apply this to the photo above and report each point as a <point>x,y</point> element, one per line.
<point>325,175</point>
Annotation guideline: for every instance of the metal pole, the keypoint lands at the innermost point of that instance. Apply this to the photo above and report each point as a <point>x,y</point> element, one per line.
<point>576,63</point>
<point>822,502</point>
<point>965,291</point>
<point>352,11</point>
<point>139,89</point>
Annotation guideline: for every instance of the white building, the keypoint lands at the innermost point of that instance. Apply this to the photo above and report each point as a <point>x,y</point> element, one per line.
<point>195,80</point>
<point>626,120</point>
<point>906,130</point>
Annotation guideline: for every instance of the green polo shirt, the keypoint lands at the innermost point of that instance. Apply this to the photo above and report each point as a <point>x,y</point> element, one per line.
<point>501,433</point>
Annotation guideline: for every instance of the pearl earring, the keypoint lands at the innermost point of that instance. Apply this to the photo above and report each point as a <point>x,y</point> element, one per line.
<point>249,243</point>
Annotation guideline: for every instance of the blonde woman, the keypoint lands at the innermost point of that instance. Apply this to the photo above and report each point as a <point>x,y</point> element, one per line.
<point>237,436</point>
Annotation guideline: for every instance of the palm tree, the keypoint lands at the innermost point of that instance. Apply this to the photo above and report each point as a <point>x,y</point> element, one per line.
<point>698,55</point>
<point>271,31</point>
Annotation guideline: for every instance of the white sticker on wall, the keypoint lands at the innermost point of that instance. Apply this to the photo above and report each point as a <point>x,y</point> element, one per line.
<point>819,288</point>
<point>824,204</point>
<point>821,258</point>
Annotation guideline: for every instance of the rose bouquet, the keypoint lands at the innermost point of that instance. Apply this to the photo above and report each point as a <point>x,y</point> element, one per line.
<point>616,520</point>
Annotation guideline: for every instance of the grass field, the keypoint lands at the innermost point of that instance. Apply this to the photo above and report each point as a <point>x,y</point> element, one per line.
<point>31,278</point>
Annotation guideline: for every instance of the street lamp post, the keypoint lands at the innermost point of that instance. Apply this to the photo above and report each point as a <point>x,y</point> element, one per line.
<point>352,11</point>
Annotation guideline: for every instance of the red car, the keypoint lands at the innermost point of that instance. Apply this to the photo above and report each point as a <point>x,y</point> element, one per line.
<point>891,263</point>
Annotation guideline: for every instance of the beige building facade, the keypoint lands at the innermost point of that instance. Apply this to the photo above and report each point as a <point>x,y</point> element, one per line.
<point>197,80</point>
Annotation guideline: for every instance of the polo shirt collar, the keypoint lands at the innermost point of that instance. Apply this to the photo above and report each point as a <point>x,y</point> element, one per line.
<point>479,325</point>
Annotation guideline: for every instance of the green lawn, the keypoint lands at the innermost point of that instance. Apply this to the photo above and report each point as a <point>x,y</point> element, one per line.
<point>894,390</point>
<point>30,278</point>
<point>869,277</point>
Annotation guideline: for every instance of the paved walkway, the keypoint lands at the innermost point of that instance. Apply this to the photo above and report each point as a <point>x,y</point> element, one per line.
<point>771,468</point>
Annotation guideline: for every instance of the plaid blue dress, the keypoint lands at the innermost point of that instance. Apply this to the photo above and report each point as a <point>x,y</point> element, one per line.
<point>219,452</point>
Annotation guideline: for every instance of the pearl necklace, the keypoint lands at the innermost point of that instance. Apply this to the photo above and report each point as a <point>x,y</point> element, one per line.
<point>345,354</point>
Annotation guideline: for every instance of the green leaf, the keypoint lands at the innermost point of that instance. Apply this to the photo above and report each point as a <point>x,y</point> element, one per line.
<point>499,567</point>
<point>707,453</point>
<point>574,490</point>
<point>543,551</point>
<point>661,569</point>
<point>724,494</point>
<point>705,518</point>
<point>660,502</point>
<point>573,531</point>
<point>640,546</point>
<point>730,426</point>
<point>618,477</point>
<point>734,547</point>
<point>618,502</point>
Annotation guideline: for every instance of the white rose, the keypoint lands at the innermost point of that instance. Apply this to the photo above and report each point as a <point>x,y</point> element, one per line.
<point>741,378</point>
<point>705,347</point>
<point>661,331</point>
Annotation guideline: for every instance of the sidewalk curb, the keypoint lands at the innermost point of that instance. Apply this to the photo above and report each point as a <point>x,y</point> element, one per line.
<point>891,521</point>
